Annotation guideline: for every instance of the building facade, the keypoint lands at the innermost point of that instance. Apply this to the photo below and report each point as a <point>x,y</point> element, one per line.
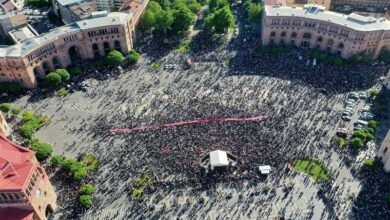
<point>4,129</point>
<point>384,153</point>
<point>105,4</point>
<point>25,190</point>
<point>379,4</point>
<point>314,27</point>
<point>69,45</point>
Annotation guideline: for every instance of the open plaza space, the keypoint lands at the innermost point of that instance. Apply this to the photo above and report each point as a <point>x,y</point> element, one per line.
<point>155,173</point>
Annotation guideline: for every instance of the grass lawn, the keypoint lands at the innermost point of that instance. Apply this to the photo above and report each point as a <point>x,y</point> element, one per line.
<point>312,167</point>
<point>155,65</point>
<point>369,163</point>
<point>142,182</point>
<point>61,92</point>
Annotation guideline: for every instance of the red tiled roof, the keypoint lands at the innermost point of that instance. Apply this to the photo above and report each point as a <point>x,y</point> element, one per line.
<point>16,165</point>
<point>16,214</point>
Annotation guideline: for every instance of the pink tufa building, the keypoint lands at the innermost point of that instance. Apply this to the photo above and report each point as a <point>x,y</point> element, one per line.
<point>314,27</point>
<point>25,190</point>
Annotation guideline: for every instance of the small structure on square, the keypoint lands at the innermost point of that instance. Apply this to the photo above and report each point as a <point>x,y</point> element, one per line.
<point>218,160</point>
<point>265,170</point>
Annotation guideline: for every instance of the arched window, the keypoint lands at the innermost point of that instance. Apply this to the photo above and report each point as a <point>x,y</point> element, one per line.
<point>273,34</point>
<point>294,34</point>
<point>283,34</point>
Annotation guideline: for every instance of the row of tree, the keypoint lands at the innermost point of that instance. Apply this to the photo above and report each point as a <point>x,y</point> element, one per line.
<point>164,15</point>
<point>254,11</point>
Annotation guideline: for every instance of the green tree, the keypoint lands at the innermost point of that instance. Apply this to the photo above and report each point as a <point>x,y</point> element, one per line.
<point>69,165</point>
<point>338,61</point>
<point>154,7</point>
<point>80,174</point>
<point>195,7</point>
<point>16,111</point>
<point>373,124</point>
<point>133,56</point>
<point>217,4</point>
<point>114,58</point>
<point>385,55</point>
<point>87,189</point>
<point>183,18</point>
<point>209,22</point>
<point>75,71</point>
<point>53,80</point>
<point>164,20</point>
<point>56,160</point>
<point>148,20</point>
<point>224,19</point>
<point>43,150</point>
<point>27,116</point>
<point>357,142</point>
<point>65,76</point>
<point>254,12</point>
<point>14,87</point>
<point>5,107</point>
<point>85,201</point>
<point>27,131</point>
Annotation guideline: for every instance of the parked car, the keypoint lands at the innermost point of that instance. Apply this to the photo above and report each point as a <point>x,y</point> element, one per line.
<point>346,118</point>
<point>342,132</point>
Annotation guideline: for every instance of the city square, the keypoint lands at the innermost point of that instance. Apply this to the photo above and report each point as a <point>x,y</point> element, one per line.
<point>153,123</point>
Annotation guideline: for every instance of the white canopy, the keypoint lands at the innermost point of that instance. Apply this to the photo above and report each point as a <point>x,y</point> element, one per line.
<point>218,158</point>
<point>265,169</point>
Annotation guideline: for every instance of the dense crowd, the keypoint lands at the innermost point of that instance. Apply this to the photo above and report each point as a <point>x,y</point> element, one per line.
<point>297,98</point>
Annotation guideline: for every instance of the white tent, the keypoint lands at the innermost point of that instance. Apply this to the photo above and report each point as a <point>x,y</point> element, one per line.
<point>218,158</point>
<point>265,169</point>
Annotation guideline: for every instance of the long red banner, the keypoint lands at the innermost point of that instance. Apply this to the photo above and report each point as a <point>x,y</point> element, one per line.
<point>200,121</point>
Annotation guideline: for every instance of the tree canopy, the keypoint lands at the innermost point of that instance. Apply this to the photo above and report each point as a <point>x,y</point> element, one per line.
<point>53,80</point>
<point>254,11</point>
<point>220,21</point>
<point>114,58</point>
<point>43,150</point>
<point>183,18</point>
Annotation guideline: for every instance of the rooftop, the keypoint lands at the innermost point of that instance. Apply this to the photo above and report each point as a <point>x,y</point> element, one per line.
<point>16,165</point>
<point>353,21</point>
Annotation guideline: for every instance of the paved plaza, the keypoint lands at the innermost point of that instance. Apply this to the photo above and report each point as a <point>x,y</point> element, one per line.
<point>303,105</point>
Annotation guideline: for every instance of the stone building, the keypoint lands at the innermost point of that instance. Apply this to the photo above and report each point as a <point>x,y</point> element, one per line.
<point>384,153</point>
<point>25,190</point>
<point>301,3</point>
<point>378,4</point>
<point>4,129</point>
<point>314,27</point>
<point>33,58</point>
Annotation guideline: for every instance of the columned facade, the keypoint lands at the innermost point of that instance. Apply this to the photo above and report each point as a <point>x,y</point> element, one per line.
<point>313,27</point>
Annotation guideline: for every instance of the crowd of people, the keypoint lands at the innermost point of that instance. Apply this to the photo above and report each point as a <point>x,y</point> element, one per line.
<point>236,81</point>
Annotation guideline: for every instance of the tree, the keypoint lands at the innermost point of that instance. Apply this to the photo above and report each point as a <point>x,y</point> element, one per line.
<point>65,76</point>
<point>114,58</point>
<point>27,131</point>
<point>75,71</point>
<point>338,61</point>
<point>56,160</point>
<point>357,142</point>
<point>80,174</point>
<point>384,55</point>
<point>209,22</point>
<point>164,20</point>
<point>53,80</point>
<point>27,116</point>
<point>5,107</point>
<point>43,150</point>
<point>373,124</point>
<point>14,87</point>
<point>85,201</point>
<point>195,7</point>
<point>224,19</point>
<point>133,56</point>
<point>254,12</point>
<point>15,111</point>
<point>154,7</point>
<point>183,18</point>
<point>87,189</point>
<point>69,165</point>
<point>216,4</point>
<point>148,20</point>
